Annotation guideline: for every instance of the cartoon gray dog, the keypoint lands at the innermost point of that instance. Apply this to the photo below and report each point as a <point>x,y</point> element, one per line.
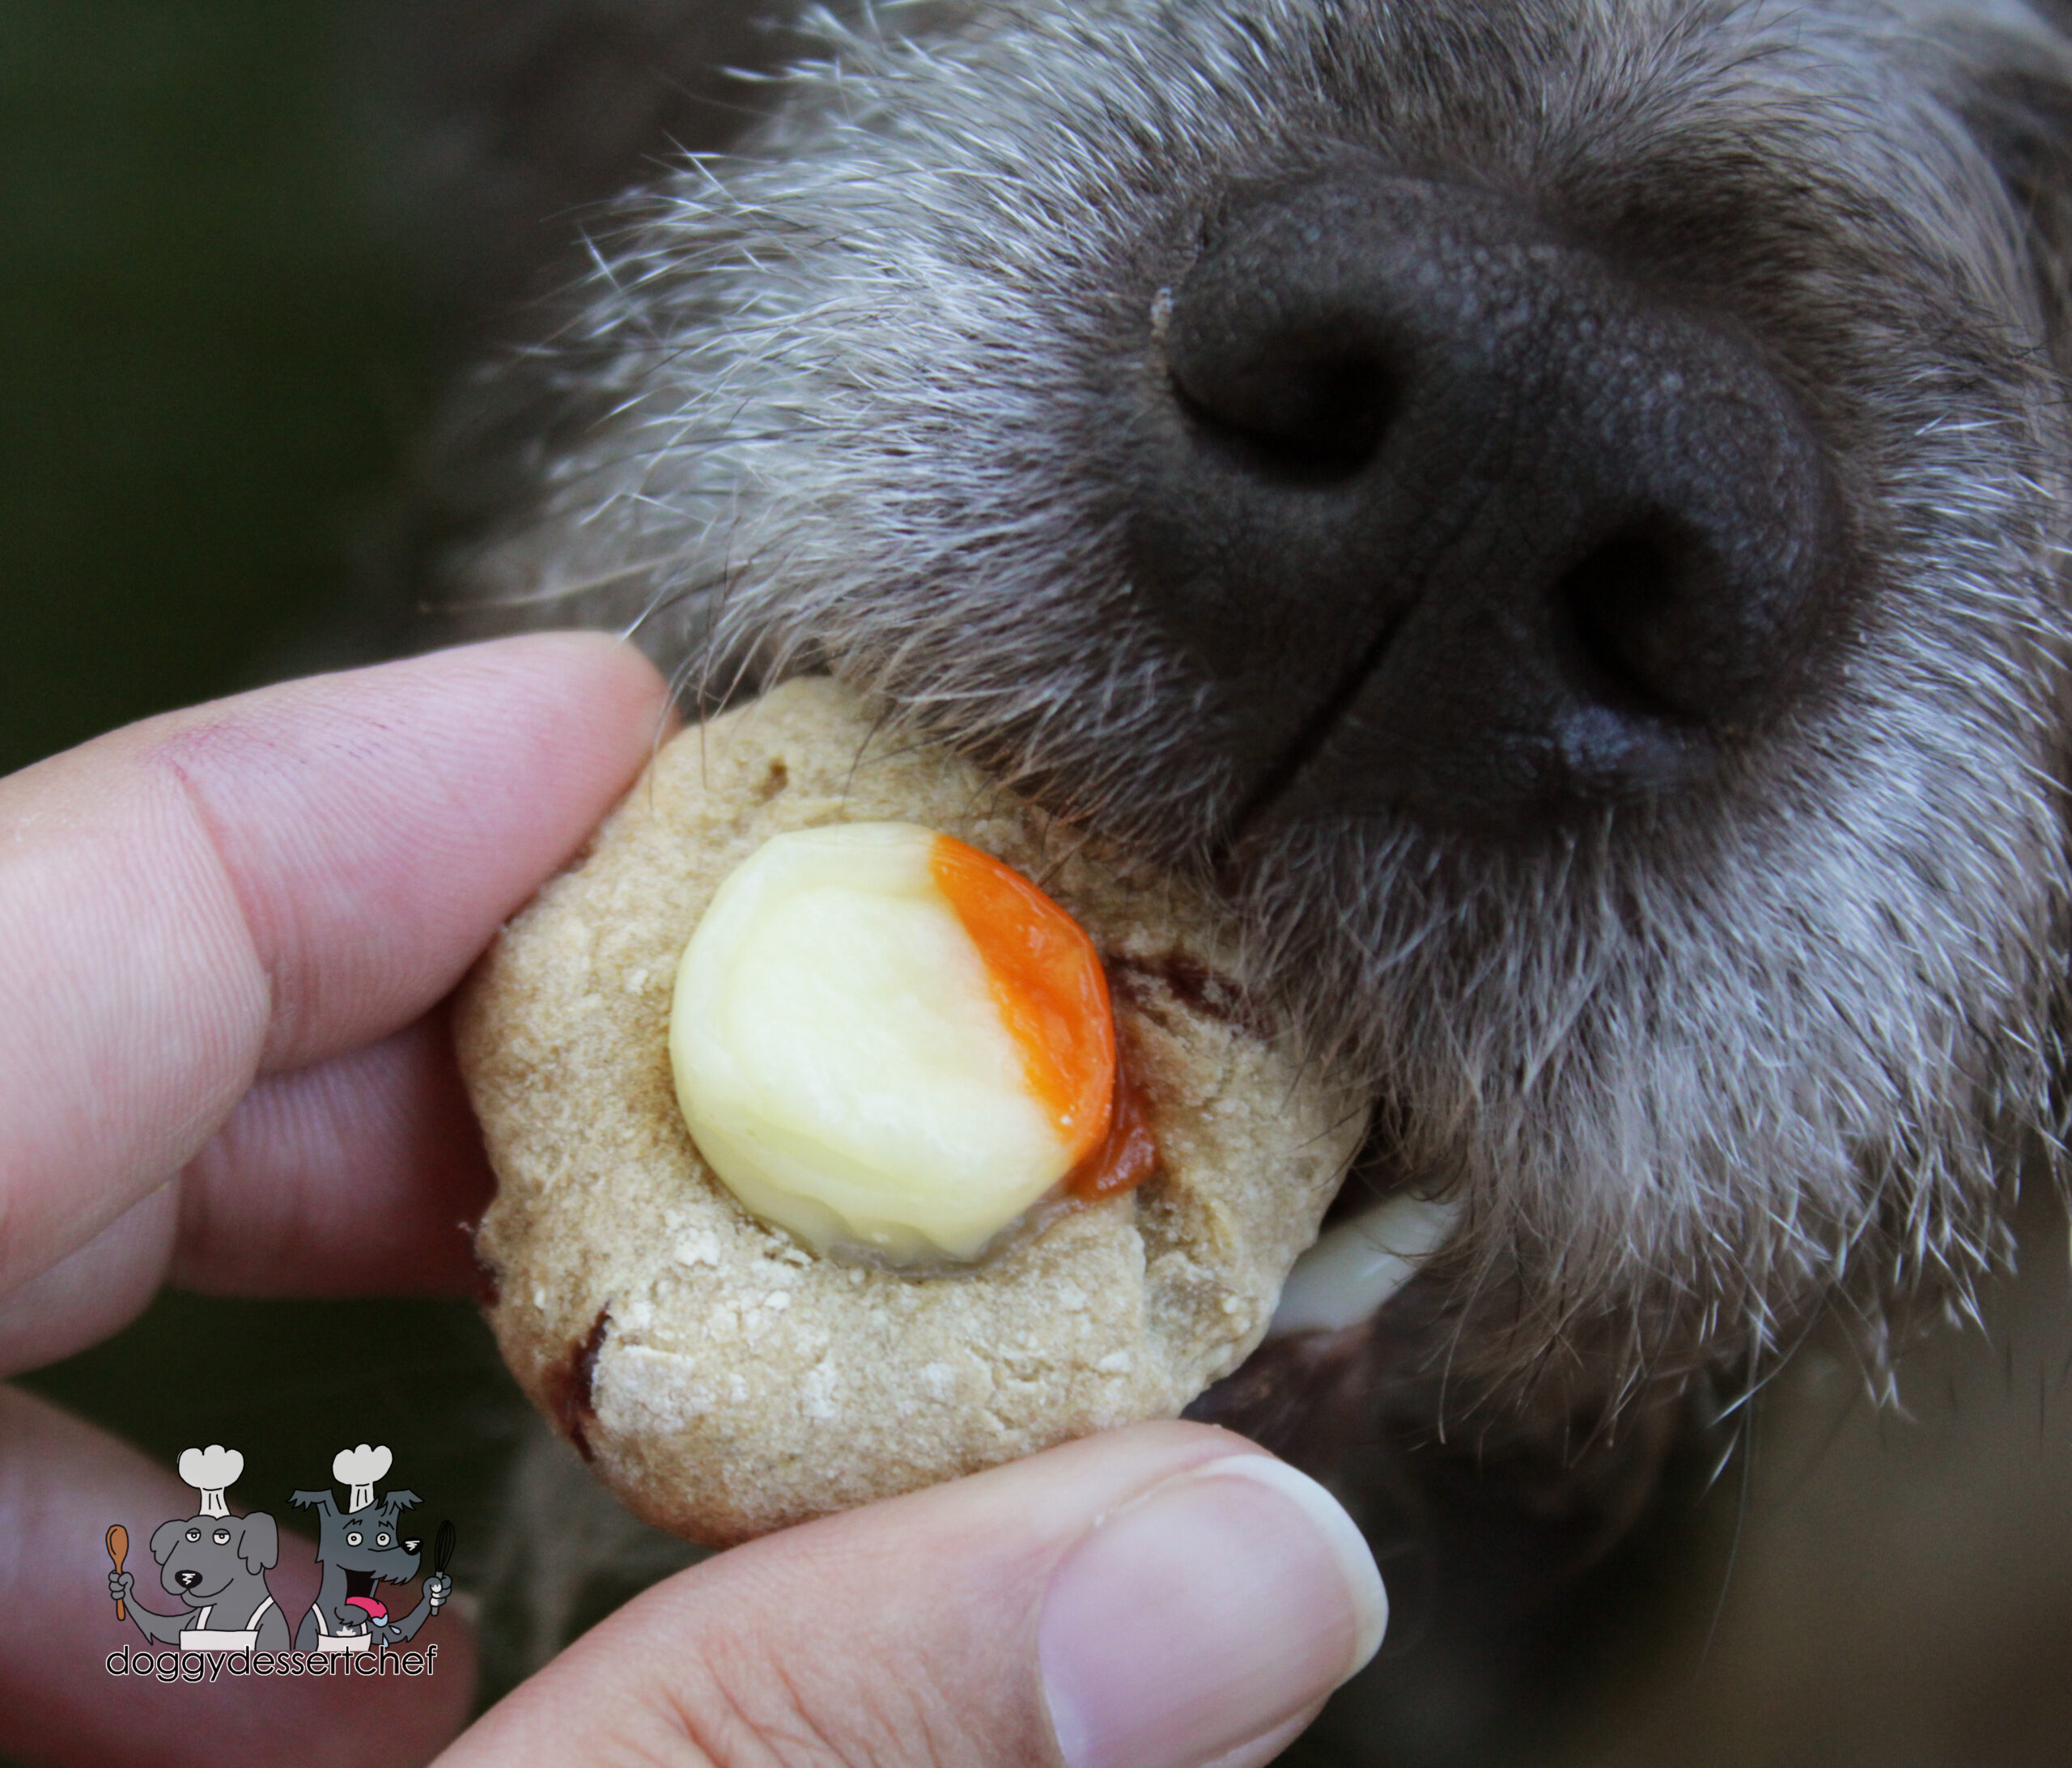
<point>216,1564</point>
<point>360,1548</point>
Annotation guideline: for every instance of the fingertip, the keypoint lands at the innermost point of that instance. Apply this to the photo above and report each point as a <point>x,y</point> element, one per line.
<point>1196,1623</point>
<point>378,825</point>
<point>598,678</point>
<point>1336,1533</point>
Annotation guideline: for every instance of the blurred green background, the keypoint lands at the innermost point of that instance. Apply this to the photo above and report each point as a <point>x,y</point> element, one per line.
<point>213,350</point>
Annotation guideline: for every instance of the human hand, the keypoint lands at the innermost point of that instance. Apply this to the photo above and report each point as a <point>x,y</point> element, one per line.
<point>225,934</point>
<point>229,930</point>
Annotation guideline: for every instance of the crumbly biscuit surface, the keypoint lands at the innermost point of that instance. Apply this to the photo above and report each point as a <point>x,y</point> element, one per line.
<point>722,1380</point>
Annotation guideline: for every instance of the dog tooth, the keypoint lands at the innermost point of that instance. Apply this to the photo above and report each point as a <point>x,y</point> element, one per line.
<point>1357,1266</point>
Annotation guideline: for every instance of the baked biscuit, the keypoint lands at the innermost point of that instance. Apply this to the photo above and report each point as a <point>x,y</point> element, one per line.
<point>721,1379</point>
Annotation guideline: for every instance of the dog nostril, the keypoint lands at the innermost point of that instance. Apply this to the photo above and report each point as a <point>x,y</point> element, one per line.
<point>1292,409</point>
<point>1621,600</point>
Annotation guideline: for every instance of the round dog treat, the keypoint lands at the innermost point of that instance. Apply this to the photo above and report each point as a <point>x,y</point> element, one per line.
<point>723,1377</point>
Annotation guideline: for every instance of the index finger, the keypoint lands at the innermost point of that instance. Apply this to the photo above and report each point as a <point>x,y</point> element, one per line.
<point>264,882</point>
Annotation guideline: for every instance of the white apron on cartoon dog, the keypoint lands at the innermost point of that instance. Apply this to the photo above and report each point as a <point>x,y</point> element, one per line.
<point>203,1638</point>
<point>329,1641</point>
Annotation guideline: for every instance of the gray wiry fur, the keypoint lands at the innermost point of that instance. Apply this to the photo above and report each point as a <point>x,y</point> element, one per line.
<point>842,400</point>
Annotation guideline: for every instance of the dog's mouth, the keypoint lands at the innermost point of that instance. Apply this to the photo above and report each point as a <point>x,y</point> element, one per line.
<point>361,1583</point>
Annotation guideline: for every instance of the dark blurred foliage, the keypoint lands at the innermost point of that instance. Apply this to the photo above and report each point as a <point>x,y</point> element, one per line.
<point>212,354</point>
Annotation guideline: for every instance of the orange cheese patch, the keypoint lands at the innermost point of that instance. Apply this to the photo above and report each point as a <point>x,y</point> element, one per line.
<point>1047,983</point>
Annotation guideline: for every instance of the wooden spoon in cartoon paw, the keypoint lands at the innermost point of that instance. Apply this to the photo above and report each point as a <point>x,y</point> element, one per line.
<point>118,1549</point>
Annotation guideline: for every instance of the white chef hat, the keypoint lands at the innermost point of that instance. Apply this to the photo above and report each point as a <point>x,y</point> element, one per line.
<point>211,1472</point>
<point>360,1468</point>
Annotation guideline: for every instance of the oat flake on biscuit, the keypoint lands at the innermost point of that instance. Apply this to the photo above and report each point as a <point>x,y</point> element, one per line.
<point>722,1380</point>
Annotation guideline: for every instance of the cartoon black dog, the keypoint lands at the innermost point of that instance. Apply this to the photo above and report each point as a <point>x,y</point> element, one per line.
<point>361,1548</point>
<point>216,1564</point>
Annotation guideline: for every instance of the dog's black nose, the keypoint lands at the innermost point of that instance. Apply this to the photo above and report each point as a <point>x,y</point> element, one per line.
<point>187,1579</point>
<point>1459,518</point>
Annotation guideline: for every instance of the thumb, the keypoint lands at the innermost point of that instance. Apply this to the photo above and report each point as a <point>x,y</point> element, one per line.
<point>1166,1596</point>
